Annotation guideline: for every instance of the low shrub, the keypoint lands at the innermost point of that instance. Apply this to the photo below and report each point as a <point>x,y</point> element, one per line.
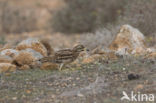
<point>15,19</point>
<point>80,16</point>
<point>141,14</point>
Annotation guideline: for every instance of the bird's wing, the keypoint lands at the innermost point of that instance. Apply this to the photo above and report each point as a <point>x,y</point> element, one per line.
<point>64,52</point>
<point>63,55</point>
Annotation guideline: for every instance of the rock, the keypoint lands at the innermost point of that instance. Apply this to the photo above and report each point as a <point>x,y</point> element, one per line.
<point>97,50</point>
<point>24,67</point>
<point>111,56</point>
<point>80,95</point>
<point>27,57</point>
<point>9,52</point>
<point>103,56</point>
<point>139,50</point>
<point>34,44</point>
<point>83,54</point>
<point>151,55</point>
<point>133,76</point>
<point>36,54</point>
<point>128,40</point>
<point>49,66</point>
<point>5,59</point>
<point>150,50</point>
<point>91,59</point>
<point>6,46</point>
<point>7,67</point>
<point>139,87</point>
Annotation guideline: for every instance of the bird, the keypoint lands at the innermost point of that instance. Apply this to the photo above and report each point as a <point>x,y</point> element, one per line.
<point>65,56</point>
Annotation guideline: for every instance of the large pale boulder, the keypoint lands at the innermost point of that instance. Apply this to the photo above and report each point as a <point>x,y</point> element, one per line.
<point>7,55</point>
<point>6,46</point>
<point>5,59</point>
<point>128,40</point>
<point>27,57</point>
<point>34,44</point>
<point>9,52</point>
<point>7,67</point>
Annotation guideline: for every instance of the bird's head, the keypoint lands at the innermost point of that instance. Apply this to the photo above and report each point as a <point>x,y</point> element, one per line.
<point>79,48</point>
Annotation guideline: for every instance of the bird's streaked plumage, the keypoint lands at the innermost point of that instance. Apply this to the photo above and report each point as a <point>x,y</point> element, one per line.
<point>64,56</point>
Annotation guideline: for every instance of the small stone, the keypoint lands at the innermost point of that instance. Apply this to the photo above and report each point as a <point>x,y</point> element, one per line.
<point>53,96</point>
<point>133,76</point>
<point>14,98</point>
<point>80,95</point>
<point>123,68</point>
<point>138,87</point>
<point>77,78</point>
<point>74,84</point>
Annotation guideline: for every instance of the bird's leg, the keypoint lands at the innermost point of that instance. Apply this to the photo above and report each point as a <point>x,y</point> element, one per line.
<point>61,67</point>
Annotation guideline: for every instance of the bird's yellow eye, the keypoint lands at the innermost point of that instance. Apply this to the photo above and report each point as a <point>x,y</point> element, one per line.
<point>85,49</point>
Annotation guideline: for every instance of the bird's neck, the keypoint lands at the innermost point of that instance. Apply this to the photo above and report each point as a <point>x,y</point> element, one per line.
<point>76,54</point>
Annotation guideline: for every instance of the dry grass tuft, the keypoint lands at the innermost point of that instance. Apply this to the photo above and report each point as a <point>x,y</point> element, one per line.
<point>101,38</point>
